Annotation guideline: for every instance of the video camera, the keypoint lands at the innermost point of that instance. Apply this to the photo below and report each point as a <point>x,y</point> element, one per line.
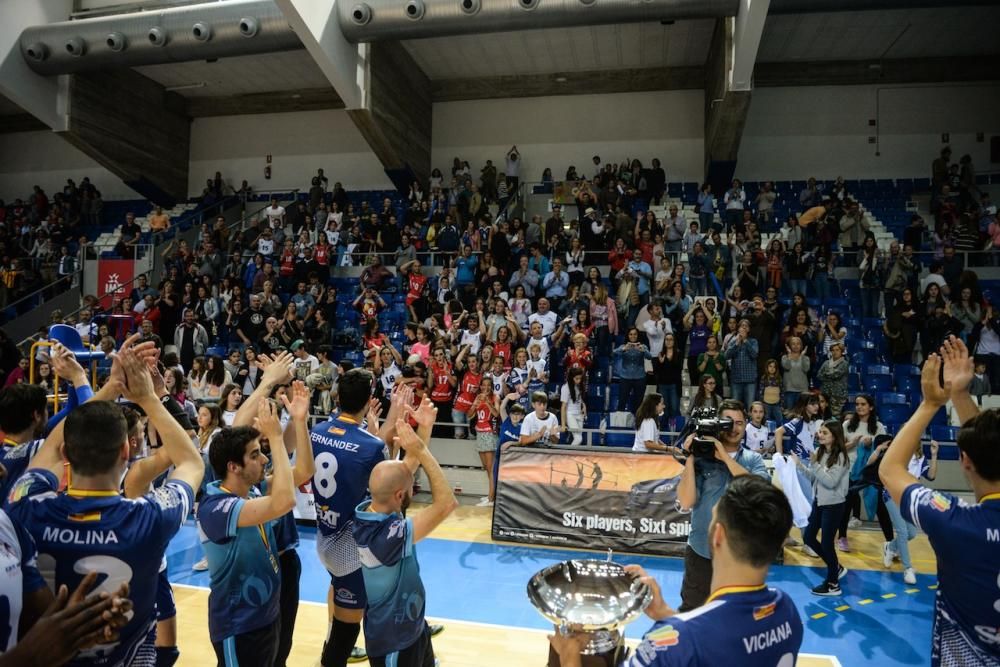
<point>704,423</point>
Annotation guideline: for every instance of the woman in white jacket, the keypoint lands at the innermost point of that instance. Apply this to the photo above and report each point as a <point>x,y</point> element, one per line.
<point>829,471</point>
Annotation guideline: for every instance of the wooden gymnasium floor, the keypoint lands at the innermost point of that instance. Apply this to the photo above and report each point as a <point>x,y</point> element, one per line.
<point>879,619</point>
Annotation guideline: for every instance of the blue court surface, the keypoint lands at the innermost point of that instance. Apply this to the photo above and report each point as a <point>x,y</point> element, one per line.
<point>878,620</point>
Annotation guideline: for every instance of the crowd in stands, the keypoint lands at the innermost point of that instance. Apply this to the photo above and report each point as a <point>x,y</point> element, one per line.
<point>466,303</point>
<point>40,238</point>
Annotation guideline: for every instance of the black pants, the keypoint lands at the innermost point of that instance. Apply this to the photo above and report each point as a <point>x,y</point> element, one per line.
<point>291,569</point>
<point>697,583</point>
<point>825,518</point>
<point>852,507</point>
<point>256,648</point>
<point>418,654</point>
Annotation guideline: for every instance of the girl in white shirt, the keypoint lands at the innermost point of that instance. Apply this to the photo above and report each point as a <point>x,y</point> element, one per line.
<point>757,433</point>
<point>574,409</point>
<point>230,403</point>
<point>647,436</point>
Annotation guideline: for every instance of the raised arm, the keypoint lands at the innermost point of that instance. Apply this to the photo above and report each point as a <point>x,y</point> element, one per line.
<point>443,500</point>
<point>894,467</point>
<point>188,464</point>
<point>276,371</point>
<point>280,498</point>
<point>958,371</point>
<point>298,410</point>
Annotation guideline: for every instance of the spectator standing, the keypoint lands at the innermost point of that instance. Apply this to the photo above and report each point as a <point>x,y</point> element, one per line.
<point>829,472</point>
<point>832,376</point>
<point>703,483</point>
<point>741,354</point>
<point>706,207</point>
<point>630,368</point>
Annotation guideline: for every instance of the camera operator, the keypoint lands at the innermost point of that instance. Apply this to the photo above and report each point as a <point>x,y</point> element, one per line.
<point>744,622</point>
<point>707,474</point>
<point>963,536</point>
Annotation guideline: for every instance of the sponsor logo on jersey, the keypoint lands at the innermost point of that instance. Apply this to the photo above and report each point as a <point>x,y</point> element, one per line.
<point>663,638</point>
<point>940,502</point>
<point>395,529</point>
<point>345,595</point>
<point>760,613</point>
<point>20,490</point>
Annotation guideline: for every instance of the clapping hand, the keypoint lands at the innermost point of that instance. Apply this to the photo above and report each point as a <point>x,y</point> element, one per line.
<point>958,365</point>
<point>278,370</point>
<point>138,382</point>
<point>267,422</point>
<point>408,439</point>
<point>426,414</point>
<point>298,406</point>
<point>374,412</point>
<point>65,365</point>
<point>934,393</point>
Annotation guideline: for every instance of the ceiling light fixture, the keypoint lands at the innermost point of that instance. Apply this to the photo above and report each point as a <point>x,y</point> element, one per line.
<point>561,79</point>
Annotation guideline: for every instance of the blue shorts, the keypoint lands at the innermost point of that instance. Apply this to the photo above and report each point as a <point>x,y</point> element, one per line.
<point>165,608</point>
<point>349,591</point>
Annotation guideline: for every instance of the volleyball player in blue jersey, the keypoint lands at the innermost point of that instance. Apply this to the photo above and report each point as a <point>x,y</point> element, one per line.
<point>965,537</point>
<point>91,527</point>
<point>743,622</point>
<point>345,454</point>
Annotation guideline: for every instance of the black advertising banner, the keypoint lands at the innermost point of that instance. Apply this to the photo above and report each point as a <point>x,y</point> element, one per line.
<point>590,498</point>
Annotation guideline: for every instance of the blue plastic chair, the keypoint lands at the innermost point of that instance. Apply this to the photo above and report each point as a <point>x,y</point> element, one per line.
<point>944,433</point>
<point>619,438</point>
<point>876,384</point>
<point>894,414</point>
<point>70,339</point>
<point>891,398</point>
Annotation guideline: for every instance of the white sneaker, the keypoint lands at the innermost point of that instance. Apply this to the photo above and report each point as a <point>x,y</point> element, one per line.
<point>855,522</point>
<point>792,542</point>
<point>910,576</point>
<point>484,502</point>
<point>201,565</point>
<point>807,550</point>
<point>887,554</point>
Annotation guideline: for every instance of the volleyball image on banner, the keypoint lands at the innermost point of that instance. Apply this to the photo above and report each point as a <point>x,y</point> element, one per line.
<point>586,498</point>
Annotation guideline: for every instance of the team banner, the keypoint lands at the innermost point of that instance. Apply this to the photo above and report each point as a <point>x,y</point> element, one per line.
<point>590,498</point>
<point>305,505</point>
<point>113,278</point>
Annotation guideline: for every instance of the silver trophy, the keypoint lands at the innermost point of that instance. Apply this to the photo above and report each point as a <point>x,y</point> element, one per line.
<point>592,596</point>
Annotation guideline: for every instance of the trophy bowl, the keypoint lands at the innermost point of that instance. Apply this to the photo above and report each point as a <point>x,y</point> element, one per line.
<point>592,596</point>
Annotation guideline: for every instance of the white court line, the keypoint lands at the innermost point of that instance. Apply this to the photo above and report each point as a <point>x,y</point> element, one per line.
<point>497,626</point>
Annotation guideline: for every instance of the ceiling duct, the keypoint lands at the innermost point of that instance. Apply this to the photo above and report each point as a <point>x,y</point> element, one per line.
<point>190,32</point>
<point>393,20</point>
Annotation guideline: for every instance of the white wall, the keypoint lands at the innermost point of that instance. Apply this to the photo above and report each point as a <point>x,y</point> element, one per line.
<point>47,160</point>
<point>299,143</point>
<point>823,131</point>
<point>557,132</point>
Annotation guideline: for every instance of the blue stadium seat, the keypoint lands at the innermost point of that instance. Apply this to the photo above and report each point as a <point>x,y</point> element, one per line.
<point>892,413</point>
<point>594,419</point>
<point>940,418</point>
<point>619,438</point>
<point>891,398</point>
<point>70,338</point>
<point>907,383</point>
<point>947,452</point>
<point>878,369</point>
<point>875,384</point>
<point>595,404</point>
<point>944,433</point>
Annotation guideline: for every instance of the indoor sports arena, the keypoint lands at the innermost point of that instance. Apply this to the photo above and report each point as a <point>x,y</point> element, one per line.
<point>493,333</point>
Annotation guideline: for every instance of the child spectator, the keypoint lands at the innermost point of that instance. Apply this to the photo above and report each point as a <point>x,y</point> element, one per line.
<point>757,433</point>
<point>540,427</point>
<point>574,407</point>
<point>485,409</point>
<point>769,391</point>
<point>980,385</point>
<point>833,378</point>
